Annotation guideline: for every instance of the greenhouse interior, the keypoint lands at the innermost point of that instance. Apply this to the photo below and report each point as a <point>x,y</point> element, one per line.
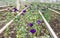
<point>29,19</point>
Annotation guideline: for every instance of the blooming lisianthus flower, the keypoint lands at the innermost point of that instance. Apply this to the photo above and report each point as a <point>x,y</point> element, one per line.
<point>33,31</point>
<point>15,10</point>
<point>38,21</point>
<point>24,11</point>
<point>30,24</point>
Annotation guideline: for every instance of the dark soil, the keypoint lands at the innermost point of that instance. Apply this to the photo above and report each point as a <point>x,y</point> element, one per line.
<point>55,23</point>
<point>2,19</point>
<point>11,27</point>
<point>12,32</point>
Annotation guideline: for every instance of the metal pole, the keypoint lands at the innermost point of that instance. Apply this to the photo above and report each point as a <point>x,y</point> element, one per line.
<point>18,5</point>
<point>52,33</point>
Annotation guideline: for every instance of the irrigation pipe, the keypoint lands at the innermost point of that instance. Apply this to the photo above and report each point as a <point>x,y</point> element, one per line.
<point>4,27</point>
<point>18,4</point>
<point>54,11</point>
<point>56,8</point>
<point>3,9</point>
<point>52,33</point>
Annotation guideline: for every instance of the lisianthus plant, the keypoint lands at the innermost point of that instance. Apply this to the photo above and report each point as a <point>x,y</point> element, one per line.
<point>29,25</point>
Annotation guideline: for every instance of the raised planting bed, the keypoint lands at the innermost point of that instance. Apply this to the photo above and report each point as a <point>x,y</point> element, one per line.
<point>56,9</point>
<point>54,20</point>
<point>54,6</point>
<point>33,26</point>
<point>55,23</point>
<point>28,25</point>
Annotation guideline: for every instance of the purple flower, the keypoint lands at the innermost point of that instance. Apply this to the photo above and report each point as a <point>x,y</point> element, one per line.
<point>38,21</point>
<point>24,11</point>
<point>15,9</point>
<point>30,24</point>
<point>33,31</point>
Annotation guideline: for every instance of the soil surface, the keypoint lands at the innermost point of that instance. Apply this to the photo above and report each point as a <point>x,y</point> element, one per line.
<point>12,32</point>
<point>3,21</point>
<point>55,23</point>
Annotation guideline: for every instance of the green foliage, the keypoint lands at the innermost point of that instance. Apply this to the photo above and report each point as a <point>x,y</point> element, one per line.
<point>47,15</point>
<point>31,16</point>
<point>9,16</point>
<point>6,34</point>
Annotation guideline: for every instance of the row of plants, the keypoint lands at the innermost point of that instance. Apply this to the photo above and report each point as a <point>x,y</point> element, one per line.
<point>30,24</point>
